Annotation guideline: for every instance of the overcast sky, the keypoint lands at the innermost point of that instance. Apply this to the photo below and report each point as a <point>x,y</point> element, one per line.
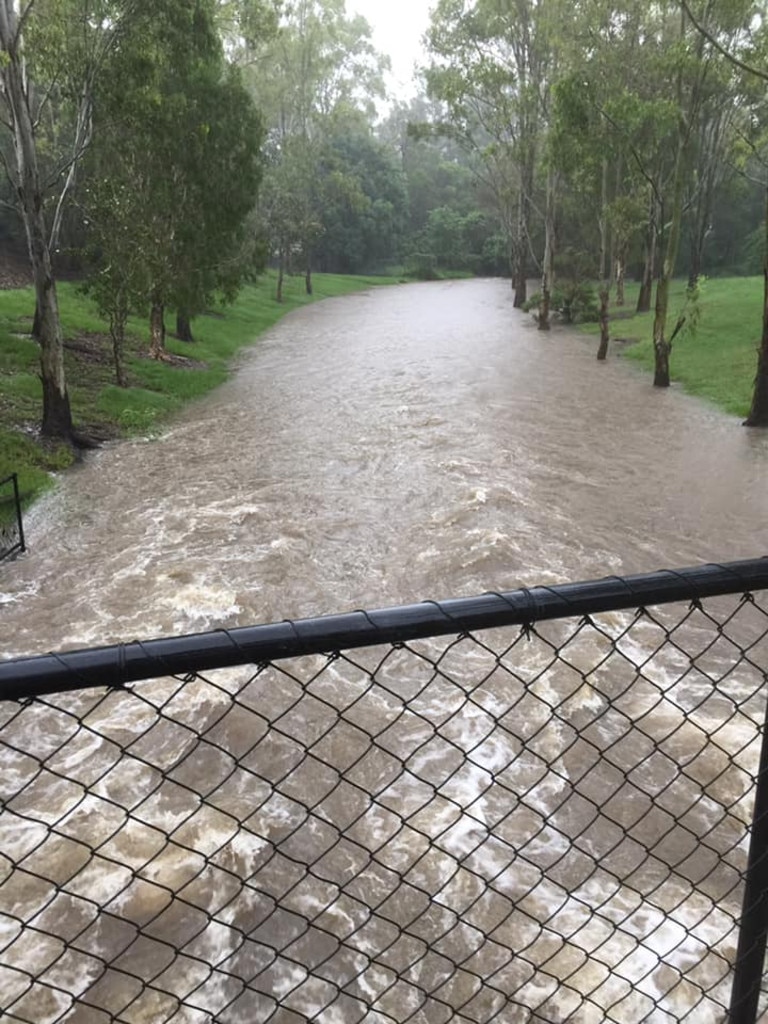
<point>398,26</point>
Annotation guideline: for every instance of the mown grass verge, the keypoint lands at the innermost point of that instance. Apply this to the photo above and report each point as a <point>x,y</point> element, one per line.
<point>156,390</point>
<point>718,361</point>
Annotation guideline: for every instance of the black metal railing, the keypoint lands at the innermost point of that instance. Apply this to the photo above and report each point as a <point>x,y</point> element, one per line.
<point>527,806</point>
<point>11,525</point>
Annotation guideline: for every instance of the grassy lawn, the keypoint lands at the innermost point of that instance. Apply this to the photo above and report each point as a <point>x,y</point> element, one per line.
<point>156,390</point>
<point>718,362</point>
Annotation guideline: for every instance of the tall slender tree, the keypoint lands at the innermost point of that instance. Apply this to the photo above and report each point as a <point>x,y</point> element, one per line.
<point>177,146</point>
<point>754,66</point>
<point>319,68</point>
<point>53,53</point>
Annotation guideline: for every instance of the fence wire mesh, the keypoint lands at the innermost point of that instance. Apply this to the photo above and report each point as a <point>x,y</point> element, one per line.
<point>542,823</point>
<point>11,530</point>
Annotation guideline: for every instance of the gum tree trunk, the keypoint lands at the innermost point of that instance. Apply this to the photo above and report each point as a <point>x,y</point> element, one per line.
<point>758,412</point>
<point>280,275</point>
<point>117,321</point>
<point>602,350</point>
<point>605,272</point>
<point>519,277</point>
<point>157,331</point>
<point>662,347</point>
<point>57,415</point>
<point>183,326</point>
<point>649,264</point>
<point>621,274</point>
<point>308,274</point>
<point>548,275</point>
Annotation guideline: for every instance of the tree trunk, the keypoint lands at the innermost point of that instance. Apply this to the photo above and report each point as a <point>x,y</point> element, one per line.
<point>661,347</point>
<point>57,415</point>
<point>543,318</point>
<point>117,333</point>
<point>660,344</point>
<point>661,365</point>
<point>519,276</point>
<point>548,275</point>
<point>520,287</point>
<point>694,272</point>
<point>157,331</point>
<point>646,289</point>
<point>308,274</point>
<point>36,323</point>
<point>602,351</point>
<point>621,274</point>
<point>183,326</point>
<point>649,264</point>
<point>758,412</point>
<point>280,275</point>
<point>605,269</point>
<point>602,223</point>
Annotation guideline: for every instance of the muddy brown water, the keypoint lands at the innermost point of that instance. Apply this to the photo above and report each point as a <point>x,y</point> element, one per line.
<point>395,445</point>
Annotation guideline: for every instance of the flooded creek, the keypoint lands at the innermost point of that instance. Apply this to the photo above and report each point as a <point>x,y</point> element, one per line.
<point>443,852</point>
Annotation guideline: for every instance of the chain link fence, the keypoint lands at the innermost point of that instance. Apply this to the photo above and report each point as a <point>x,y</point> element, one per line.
<point>11,526</point>
<point>531,806</point>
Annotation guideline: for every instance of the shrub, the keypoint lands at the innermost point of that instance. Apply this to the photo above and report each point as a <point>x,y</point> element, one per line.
<point>572,302</point>
<point>422,266</point>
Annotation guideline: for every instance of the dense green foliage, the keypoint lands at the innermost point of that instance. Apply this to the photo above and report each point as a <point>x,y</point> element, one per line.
<point>364,209</point>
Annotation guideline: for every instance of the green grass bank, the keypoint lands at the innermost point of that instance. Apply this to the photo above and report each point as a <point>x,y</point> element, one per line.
<point>718,362</point>
<point>156,390</point>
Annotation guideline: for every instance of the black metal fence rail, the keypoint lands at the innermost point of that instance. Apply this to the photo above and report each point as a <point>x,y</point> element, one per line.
<point>11,525</point>
<point>526,806</point>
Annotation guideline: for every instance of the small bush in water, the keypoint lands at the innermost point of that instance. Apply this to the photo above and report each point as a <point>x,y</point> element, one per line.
<point>572,302</point>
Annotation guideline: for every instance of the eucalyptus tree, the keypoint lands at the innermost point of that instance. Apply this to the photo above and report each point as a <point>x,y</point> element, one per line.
<point>715,139</point>
<point>746,50</point>
<point>654,106</point>
<point>493,65</point>
<point>580,148</point>
<point>695,71</point>
<point>319,69</point>
<point>176,166</point>
<point>53,55</point>
<point>610,135</point>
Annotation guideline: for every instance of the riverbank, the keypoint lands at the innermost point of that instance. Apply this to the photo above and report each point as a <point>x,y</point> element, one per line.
<point>156,390</point>
<point>719,360</point>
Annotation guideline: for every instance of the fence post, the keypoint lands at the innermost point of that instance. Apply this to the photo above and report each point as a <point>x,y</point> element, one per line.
<point>750,954</point>
<point>22,546</point>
